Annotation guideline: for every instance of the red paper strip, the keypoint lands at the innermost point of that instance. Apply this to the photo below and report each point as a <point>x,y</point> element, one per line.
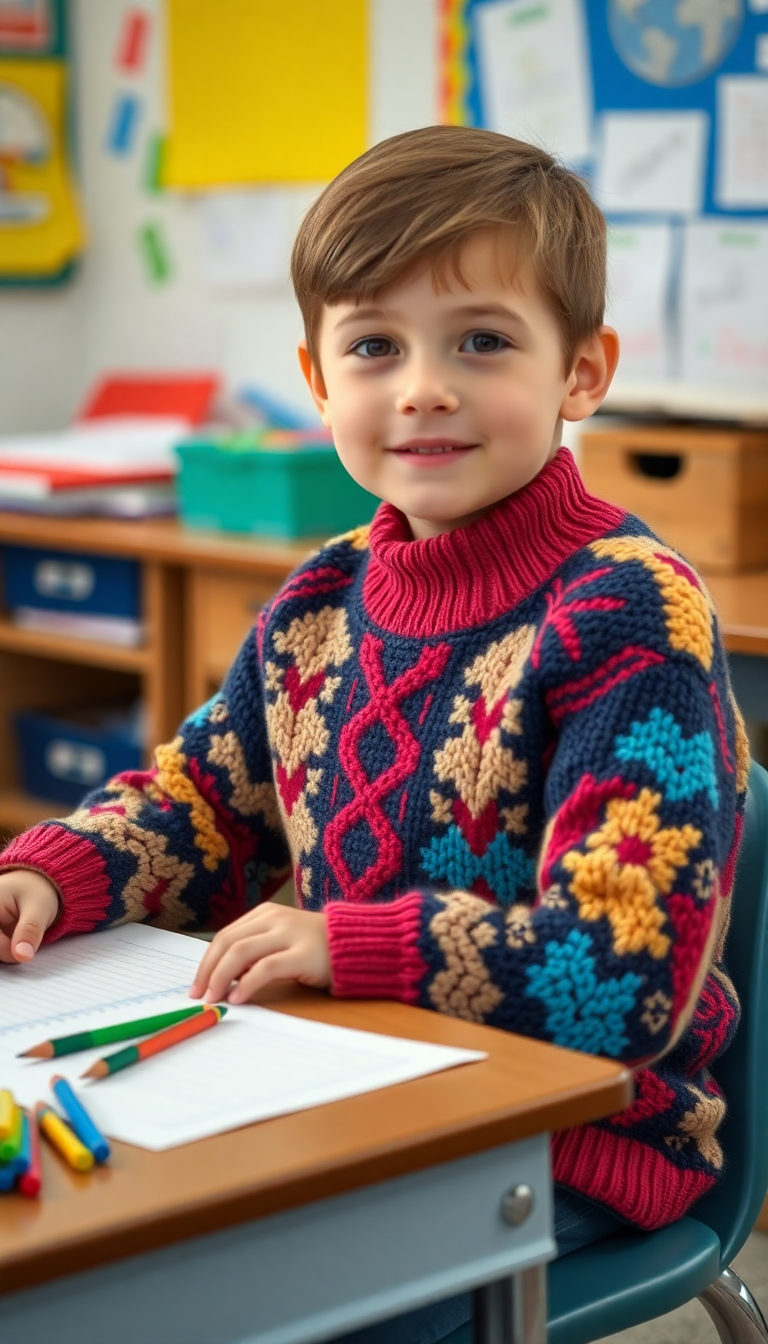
<point>132,47</point>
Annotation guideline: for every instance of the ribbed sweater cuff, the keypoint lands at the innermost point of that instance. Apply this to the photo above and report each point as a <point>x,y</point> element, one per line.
<point>630,1177</point>
<point>374,949</point>
<point>73,865</point>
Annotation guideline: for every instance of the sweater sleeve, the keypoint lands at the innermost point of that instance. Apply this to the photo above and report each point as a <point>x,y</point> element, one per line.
<point>643,781</point>
<point>191,843</point>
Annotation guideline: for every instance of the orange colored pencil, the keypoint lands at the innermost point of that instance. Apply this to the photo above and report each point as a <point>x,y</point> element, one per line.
<point>162,1040</point>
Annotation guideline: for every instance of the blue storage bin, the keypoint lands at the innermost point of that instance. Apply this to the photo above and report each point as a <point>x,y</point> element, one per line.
<point>62,759</point>
<point>51,580</point>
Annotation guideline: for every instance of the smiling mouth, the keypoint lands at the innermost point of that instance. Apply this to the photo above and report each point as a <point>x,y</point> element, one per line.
<point>432,449</point>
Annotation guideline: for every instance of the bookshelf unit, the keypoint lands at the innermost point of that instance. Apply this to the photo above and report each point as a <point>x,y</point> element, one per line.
<point>200,593</point>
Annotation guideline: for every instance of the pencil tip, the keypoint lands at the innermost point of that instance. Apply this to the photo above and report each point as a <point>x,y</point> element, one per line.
<point>42,1051</point>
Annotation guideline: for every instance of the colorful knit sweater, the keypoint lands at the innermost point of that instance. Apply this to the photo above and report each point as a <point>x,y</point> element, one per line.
<point>507,763</point>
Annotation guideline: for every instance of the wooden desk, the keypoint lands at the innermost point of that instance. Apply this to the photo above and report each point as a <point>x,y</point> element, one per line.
<point>300,1228</point>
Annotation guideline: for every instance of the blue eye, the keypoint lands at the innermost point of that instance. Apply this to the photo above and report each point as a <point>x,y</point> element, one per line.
<point>484,343</point>
<point>374,347</point>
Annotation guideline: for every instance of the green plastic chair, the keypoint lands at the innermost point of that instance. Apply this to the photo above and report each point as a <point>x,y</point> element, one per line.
<point>636,1276</point>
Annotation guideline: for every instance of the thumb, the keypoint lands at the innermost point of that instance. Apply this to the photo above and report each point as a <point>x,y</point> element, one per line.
<point>27,938</point>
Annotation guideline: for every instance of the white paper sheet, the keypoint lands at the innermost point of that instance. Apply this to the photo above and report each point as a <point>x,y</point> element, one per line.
<point>639,260</point>
<point>652,162</point>
<point>109,445</point>
<point>724,303</point>
<point>246,238</point>
<point>535,75</point>
<point>254,1065</point>
<point>742,142</point>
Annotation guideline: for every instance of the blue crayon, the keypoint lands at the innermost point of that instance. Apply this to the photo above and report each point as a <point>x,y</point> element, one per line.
<point>80,1120</point>
<point>7,1177</point>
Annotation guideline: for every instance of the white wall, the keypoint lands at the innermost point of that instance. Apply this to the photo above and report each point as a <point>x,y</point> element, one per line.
<point>54,343</point>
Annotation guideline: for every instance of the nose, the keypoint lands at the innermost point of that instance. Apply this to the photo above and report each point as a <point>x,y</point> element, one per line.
<point>426,389</point>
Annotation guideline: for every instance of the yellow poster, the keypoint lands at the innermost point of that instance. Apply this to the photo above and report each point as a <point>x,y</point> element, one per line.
<point>265,90</point>
<point>40,222</point>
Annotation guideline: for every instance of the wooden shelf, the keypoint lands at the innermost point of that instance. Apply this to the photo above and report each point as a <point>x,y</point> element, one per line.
<point>165,540</point>
<point>18,810</point>
<point>71,650</point>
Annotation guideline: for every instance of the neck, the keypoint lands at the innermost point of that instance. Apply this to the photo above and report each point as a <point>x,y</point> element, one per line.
<point>471,575</point>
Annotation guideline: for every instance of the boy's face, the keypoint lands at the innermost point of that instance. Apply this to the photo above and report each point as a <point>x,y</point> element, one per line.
<point>443,401</point>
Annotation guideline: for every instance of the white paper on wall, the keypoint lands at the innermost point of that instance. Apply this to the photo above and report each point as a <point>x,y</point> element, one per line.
<point>535,75</point>
<point>652,162</point>
<point>246,238</point>
<point>724,303</point>
<point>639,262</point>
<point>742,142</point>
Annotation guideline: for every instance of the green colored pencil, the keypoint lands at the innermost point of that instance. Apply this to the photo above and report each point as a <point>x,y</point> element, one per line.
<point>123,1031</point>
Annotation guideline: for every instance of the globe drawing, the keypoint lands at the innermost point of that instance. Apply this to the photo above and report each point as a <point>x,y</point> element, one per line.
<point>672,42</point>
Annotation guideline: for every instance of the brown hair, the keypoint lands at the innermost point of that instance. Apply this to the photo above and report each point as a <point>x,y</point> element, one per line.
<point>417,197</point>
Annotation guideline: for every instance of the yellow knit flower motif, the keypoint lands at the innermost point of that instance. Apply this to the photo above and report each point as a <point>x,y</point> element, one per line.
<point>630,860</point>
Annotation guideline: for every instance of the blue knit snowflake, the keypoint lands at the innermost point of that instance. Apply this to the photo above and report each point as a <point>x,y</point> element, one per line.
<point>505,867</point>
<point>584,1013</point>
<point>681,767</point>
<point>200,717</point>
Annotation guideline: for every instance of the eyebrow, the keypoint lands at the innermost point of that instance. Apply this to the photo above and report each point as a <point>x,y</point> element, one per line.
<point>470,310</point>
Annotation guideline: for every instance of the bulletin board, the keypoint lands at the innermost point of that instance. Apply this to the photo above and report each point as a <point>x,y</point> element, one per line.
<point>663,108</point>
<point>684,80</point>
<point>41,230</point>
<point>264,91</point>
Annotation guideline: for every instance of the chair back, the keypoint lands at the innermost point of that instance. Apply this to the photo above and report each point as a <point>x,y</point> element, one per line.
<point>732,1207</point>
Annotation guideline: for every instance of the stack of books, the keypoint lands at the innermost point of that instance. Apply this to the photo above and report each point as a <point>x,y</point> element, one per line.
<point>117,460</point>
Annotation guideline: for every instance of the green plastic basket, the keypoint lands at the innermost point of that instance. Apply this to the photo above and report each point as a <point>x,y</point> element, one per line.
<point>282,492</point>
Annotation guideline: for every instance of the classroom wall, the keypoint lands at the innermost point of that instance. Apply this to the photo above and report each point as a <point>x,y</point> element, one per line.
<point>54,343</point>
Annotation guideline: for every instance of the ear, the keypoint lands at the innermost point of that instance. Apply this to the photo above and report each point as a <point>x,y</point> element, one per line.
<point>315,382</point>
<point>592,374</point>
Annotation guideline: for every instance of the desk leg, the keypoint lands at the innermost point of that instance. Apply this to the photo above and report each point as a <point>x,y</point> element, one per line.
<point>512,1310</point>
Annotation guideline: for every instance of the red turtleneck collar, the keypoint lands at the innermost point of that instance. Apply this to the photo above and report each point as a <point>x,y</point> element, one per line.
<point>472,575</point>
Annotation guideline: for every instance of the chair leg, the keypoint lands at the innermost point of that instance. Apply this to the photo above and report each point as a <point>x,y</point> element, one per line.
<point>736,1315</point>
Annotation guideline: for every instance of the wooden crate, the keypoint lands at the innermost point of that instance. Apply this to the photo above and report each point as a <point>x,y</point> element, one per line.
<point>703,490</point>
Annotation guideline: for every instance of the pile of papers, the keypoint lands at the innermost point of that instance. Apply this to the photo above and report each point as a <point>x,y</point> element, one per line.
<point>121,467</point>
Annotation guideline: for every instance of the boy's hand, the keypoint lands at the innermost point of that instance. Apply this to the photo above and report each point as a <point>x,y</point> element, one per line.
<point>29,903</point>
<point>272,942</point>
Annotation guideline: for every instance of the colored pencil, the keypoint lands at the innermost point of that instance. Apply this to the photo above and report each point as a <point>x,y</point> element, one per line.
<point>30,1183</point>
<point>122,1031</point>
<point>10,1146</point>
<point>79,1119</point>
<point>133,1054</point>
<point>7,1113</point>
<point>63,1139</point>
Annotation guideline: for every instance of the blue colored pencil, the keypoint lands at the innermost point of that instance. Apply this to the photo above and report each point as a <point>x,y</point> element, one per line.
<point>79,1119</point>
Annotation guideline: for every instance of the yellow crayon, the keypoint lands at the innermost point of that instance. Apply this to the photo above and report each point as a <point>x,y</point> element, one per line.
<point>7,1113</point>
<point>62,1138</point>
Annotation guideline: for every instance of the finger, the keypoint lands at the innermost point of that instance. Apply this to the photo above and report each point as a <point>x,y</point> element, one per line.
<point>26,939</point>
<point>283,965</point>
<point>5,948</point>
<point>224,940</point>
<point>238,959</point>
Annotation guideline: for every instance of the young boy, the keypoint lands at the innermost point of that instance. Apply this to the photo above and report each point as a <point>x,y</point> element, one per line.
<point>492,735</point>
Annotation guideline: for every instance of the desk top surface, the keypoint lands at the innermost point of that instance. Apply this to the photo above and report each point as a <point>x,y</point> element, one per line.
<point>143,1200</point>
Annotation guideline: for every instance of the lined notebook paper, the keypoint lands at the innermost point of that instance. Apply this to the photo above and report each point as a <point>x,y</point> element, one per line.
<point>254,1065</point>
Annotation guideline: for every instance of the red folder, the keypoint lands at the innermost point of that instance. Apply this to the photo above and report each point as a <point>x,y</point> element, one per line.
<point>188,396</point>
